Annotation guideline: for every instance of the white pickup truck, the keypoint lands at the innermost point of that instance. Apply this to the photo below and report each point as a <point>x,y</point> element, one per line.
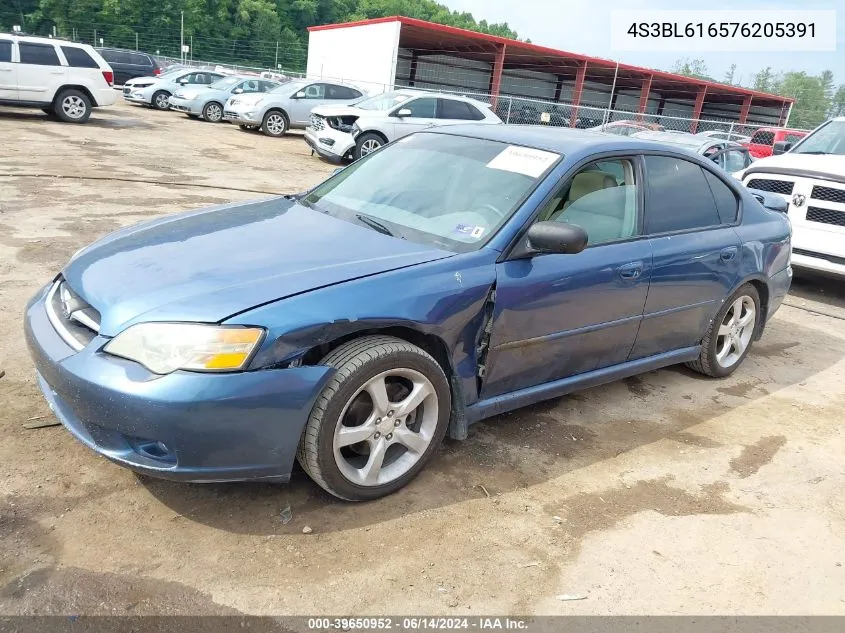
<point>810,177</point>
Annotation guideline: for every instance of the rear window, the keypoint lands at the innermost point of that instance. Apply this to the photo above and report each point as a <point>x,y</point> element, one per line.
<point>452,109</point>
<point>38,54</point>
<point>138,59</point>
<point>78,58</point>
<point>5,51</point>
<point>792,138</point>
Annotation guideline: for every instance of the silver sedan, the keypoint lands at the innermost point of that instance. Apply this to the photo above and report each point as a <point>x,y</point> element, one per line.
<point>207,101</point>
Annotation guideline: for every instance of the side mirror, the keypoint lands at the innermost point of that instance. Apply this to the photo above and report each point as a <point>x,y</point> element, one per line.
<point>237,91</point>
<point>781,147</point>
<point>299,95</point>
<point>554,237</point>
<point>404,112</point>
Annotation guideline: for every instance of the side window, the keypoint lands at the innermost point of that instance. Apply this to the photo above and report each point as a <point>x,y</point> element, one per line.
<point>266,86</point>
<point>354,94</point>
<point>5,51</point>
<point>793,138</point>
<point>424,108</point>
<point>78,58</point>
<point>726,203</point>
<point>735,160</point>
<point>38,54</point>
<point>601,198</point>
<point>138,60</point>
<point>315,91</point>
<point>761,137</point>
<point>452,109</point>
<point>249,86</point>
<point>190,78</point>
<point>679,197</point>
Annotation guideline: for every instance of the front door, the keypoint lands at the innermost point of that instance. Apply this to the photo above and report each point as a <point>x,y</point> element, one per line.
<point>8,73</point>
<point>311,97</point>
<point>560,315</point>
<point>423,113</point>
<point>40,73</point>
<point>688,216</point>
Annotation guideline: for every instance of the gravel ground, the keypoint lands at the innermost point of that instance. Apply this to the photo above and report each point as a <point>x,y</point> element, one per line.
<point>661,494</point>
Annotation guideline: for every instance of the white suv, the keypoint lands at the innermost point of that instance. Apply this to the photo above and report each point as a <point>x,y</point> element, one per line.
<point>811,178</point>
<point>62,78</point>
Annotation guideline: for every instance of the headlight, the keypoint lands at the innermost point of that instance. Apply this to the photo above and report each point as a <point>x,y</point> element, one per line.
<point>355,129</point>
<point>165,347</point>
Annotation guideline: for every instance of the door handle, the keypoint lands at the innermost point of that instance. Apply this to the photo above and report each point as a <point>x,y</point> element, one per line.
<point>631,271</point>
<point>727,254</point>
<point>57,72</point>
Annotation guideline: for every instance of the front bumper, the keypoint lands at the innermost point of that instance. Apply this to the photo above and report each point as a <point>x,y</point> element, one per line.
<point>819,262</point>
<point>136,98</point>
<point>185,426</point>
<point>183,105</point>
<point>242,116</point>
<point>329,143</point>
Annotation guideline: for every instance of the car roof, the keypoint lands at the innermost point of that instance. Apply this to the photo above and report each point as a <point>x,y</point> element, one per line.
<point>411,92</point>
<point>46,40</point>
<point>553,139</point>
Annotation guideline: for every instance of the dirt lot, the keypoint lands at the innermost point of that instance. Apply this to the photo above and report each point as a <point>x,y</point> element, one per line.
<point>665,493</point>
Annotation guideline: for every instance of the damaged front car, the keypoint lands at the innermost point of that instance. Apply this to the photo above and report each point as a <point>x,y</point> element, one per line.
<point>448,277</point>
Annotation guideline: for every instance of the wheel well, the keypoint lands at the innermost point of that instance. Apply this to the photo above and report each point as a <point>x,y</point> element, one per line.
<point>280,111</point>
<point>379,134</point>
<point>81,89</point>
<point>762,290</point>
<point>430,343</point>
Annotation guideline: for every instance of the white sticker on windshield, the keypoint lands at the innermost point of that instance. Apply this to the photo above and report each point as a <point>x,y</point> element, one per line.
<point>523,160</point>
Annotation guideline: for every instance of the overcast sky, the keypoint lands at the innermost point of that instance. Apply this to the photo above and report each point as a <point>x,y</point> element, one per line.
<point>583,26</point>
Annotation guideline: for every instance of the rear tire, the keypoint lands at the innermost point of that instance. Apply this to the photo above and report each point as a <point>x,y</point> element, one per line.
<point>730,335</point>
<point>367,143</point>
<point>275,124</point>
<point>248,128</point>
<point>160,100</point>
<point>360,447</point>
<point>72,106</point>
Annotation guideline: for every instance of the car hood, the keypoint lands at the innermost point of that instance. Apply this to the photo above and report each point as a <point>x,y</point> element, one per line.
<point>208,265</point>
<point>810,165</point>
<point>343,110</point>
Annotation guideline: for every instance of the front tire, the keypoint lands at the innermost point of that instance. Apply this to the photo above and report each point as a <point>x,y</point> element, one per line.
<point>212,112</point>
<point>72,106</point>
<point>275,124</point>
<point>160,100</point>
<point>378,421</point>
<point>367,143</point>
<point>730,335</point>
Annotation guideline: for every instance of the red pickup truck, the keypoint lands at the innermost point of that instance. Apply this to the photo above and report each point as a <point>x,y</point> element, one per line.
<point>762,141</point>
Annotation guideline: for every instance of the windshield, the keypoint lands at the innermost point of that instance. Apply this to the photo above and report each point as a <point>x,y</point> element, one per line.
<point>450,191</point>
<point>289,86</point>
<point>828,139</point>
<point>226,83</point>
<point>383,101</point>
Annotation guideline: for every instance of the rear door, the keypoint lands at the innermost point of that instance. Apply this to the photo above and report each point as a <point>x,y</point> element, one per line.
<point>8,72</point>
<point>451,111</point>
<point>689,218</point>
<point>40,73</point>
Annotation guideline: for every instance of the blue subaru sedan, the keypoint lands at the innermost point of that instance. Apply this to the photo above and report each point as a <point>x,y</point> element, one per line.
<point>453,275</point>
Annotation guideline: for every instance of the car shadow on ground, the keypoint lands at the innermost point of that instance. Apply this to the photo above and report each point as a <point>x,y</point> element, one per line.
<point>529,446</point>
<point>828,290</point>
<point>100,118</point>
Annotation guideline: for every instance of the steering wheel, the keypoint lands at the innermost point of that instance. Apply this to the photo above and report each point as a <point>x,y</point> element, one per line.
<point>496,211</point>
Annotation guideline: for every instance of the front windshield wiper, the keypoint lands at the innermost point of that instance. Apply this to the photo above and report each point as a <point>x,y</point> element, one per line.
<point>816,153</point>
<point>374,224</point>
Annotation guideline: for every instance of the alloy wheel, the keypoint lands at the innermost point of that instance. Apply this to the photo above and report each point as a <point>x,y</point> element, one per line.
<point>73,107</point>
<point>213,113</point>
<point>386,427</point>
<point>275,124</point>
<point>162,101</point>
<point>735,331</point>
<point>369,146</point>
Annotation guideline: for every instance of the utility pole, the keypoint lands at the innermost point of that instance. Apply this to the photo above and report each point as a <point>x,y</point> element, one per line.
<point>276,67</point>
<point>136,41</point>
<point>192,49</point>
<point>182,38</point>
<point>95,37</point>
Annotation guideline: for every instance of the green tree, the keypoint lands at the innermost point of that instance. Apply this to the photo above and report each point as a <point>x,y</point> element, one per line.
<point>837,106</point>
<point>729,75</point>
<point>764,80</point>
<point>691,68</point>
